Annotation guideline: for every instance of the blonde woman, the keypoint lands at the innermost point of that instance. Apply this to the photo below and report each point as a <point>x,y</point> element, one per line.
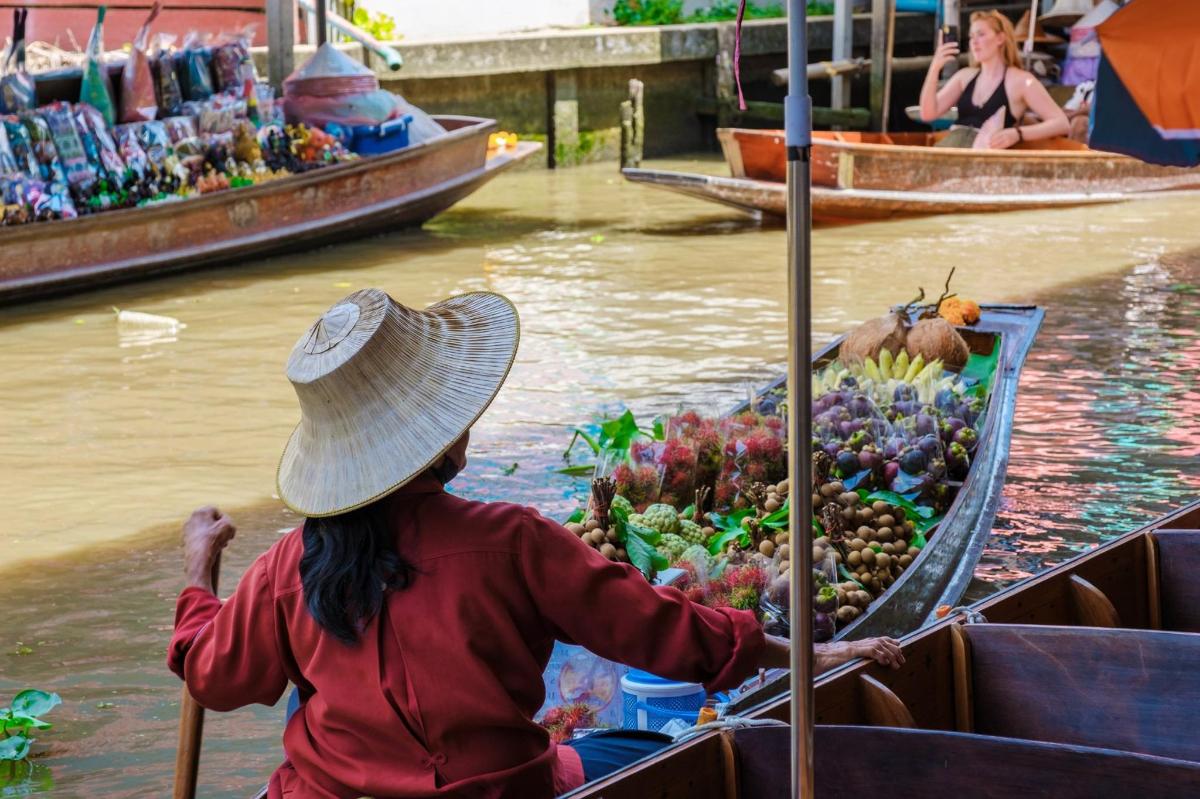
<point>993,93</point>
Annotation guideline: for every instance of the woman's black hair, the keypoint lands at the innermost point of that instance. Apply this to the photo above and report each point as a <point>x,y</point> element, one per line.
<point>350,561</point>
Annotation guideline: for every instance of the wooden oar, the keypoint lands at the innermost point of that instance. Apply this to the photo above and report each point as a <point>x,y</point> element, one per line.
<point>191,729</point>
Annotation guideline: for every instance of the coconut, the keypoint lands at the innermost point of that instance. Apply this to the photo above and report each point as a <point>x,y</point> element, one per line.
<point>936,340</point>
<point>872,337</point>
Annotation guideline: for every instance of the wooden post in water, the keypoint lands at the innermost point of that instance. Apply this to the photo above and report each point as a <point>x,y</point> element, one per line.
<point>726,87</point>
<point>633,126</point>
<point>281,40</point>
<point>628,158</point>
<point>882,21</point>
<point>843,50</point>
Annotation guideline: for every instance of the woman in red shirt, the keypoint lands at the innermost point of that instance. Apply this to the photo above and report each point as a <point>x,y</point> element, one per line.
<point>415,624</point>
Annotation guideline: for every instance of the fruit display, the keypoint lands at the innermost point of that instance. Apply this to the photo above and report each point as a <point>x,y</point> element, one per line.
<point>896,424</point>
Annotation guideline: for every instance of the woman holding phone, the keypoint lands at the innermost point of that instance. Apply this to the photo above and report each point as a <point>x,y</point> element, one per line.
<point>993,94</point>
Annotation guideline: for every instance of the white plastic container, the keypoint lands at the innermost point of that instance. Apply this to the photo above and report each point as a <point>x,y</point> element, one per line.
<point>651,702</point>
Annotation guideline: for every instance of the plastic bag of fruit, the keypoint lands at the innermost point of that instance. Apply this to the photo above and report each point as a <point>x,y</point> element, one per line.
<point>138,101</point>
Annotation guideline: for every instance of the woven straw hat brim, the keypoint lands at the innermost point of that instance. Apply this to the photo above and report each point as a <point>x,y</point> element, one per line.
<point>386,390</point>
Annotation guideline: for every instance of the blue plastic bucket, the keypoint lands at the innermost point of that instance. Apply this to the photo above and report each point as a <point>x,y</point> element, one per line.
<point>378,139</point>
<point>651,701</point>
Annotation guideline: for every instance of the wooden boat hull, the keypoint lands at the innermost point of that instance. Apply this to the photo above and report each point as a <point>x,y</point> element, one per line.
<point>333,204</point>
<point>768,200</point>
<point>905,162</point>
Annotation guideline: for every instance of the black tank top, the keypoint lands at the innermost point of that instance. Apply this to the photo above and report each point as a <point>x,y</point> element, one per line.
<point>973,115</point>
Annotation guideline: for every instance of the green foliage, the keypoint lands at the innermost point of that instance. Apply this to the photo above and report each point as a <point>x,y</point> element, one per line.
<point>380,25</point>
<point>648,12</point>
<point>640,542</point>
<point>670,12</point>
<point>22,716</point>
<point>609,440</point>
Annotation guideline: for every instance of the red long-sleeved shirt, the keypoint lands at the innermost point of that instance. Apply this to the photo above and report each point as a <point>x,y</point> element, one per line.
<point>437,697</point>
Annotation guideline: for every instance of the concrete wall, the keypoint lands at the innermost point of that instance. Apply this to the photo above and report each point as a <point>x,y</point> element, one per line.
<point>565,87</point>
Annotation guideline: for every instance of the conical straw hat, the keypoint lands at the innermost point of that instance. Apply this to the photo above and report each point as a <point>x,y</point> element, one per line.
<point>385,390</point>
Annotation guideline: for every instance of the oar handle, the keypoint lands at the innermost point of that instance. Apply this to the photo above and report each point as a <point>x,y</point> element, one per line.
<point>191,729</point>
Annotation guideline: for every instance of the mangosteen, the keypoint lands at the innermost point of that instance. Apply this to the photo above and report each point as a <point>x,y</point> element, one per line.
<point>936,468</point>
<point>968,438</point>
<point>926,423</point>
<point>931,445</point>
<point>913,461</point>
<point>907,407</point>
<point>849,381</point>
<point>890,470</point>
<point>892,447</point>
<point>868,458</point>
<point>847,463</point>
<point>832,449</point>
<point>904,393</point>
<point>945,400</point>
<point>861,407</point>
<point>957,461</point>
<point>860,439</point>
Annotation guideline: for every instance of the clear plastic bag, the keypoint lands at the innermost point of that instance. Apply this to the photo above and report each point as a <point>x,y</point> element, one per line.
<point>99,143</point>
<point>232,64</point>
<point>194,65</point>
<point>41,141</point>
<point>8,162</point>
<point>138,100</point>
<point>80,174</point>
<point>17,90</point>
<point>21,147</point>
<point>96,90</point>
<point>167,91</point>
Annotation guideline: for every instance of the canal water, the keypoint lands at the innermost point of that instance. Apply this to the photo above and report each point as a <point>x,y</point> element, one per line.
<point>113,432</point>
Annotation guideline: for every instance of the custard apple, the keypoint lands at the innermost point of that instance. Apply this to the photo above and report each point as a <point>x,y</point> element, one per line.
<point>620,503</point>
<point>672,546</point>
<point>691,531</point>
<point>663,518</point>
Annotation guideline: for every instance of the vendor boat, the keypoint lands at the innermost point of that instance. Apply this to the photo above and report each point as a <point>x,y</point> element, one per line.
<point>373,194</point>
<point>941,573</point>
<point>1072,683</point>
<point>866,176</point>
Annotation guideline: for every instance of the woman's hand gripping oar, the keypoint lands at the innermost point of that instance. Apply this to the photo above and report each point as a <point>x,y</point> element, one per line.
<point>205,534</point>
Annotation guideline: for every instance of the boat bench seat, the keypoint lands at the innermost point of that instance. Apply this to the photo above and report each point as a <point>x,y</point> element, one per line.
<point>849,762</point>
<point>1131,690</point>
<point>1178,589</point>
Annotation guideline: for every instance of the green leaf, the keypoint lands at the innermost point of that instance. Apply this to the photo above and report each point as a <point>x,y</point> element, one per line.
<point>733,521</point>
<point>779,519</point>
<point>918,539</point>
<point>15,747</point>
<point>576,517</point>
<point>32,702</point>
<point>578,434</point>
<point>639,543</point>
<point>717,544</point>
<point>690,511</point>
<point>659,433</point>
<point>619,433</point>
<point>508,471</point>
<point>22,722</point>
<point>892,498</point>
<point>580,470</point>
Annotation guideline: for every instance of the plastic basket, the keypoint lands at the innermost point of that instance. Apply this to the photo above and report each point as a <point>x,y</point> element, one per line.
<point>650,702</point>
<point>377,139</point>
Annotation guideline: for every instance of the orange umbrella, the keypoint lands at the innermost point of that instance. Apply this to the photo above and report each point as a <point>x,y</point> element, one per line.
<point>1154,47</point>
<point>1147,100</point>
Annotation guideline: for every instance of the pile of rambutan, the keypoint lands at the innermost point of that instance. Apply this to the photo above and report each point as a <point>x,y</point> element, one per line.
<point>562,721</point>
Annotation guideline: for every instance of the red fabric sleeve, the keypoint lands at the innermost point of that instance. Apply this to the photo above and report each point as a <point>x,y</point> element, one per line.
<point>611,609</point>
<point>228,652</point>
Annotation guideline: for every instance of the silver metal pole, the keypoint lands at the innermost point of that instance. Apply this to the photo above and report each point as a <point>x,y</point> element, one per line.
<point>798,137</point>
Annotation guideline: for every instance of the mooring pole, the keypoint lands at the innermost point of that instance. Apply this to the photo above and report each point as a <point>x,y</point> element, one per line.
<point>797,114</point>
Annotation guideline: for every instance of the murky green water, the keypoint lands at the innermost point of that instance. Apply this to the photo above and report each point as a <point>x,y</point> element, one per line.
<point>111,435</point>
